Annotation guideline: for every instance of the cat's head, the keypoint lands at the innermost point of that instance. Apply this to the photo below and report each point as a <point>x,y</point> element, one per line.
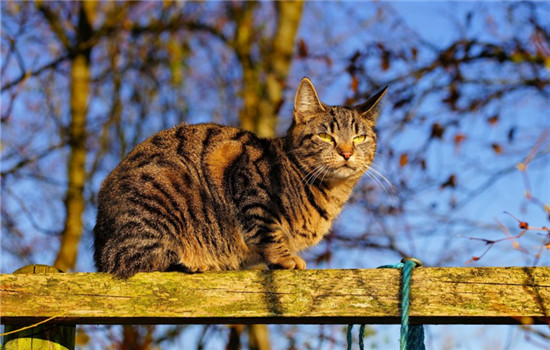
<point>332,143</point>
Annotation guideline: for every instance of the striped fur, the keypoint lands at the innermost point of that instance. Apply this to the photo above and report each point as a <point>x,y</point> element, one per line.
<point>210,197</point>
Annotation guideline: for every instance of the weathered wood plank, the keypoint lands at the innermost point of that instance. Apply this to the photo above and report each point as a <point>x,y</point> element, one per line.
<point>49,337</point>
<point>438,295</point>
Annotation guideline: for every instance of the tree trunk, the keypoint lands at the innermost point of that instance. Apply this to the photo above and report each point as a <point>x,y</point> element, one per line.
<point>242,44</point>
<point>262,98</point>
<point>278,60</point>
<point>76,172</point>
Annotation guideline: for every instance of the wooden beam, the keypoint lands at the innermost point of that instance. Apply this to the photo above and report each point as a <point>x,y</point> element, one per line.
<point>58,337</point>
<point>438,296</point>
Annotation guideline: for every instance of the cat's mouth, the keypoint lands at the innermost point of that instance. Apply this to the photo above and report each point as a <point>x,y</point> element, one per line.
<point>345,170</point>
<point>342,170</point>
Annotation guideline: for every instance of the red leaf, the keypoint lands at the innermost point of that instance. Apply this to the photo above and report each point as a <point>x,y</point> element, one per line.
<point>497,148</point>
<point>460,137</point>
<point>414,53</point>
<point>493,120</point>
<point>523,225</point>
<point>403,160</point>
<point>354,84</point>
<point>302,48</point>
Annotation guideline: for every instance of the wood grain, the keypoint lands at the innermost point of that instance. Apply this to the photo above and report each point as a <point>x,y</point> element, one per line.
<point>438,296</point>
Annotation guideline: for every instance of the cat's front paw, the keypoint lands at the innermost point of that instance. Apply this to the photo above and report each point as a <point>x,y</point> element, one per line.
<point>292,262</point>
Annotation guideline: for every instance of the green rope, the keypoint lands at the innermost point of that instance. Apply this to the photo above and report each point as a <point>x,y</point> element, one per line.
<point>350,338</point>
<point>412,338</point>
<point>361,337</point>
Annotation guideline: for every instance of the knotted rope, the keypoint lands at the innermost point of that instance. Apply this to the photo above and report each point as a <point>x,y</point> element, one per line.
<point>412,338</point>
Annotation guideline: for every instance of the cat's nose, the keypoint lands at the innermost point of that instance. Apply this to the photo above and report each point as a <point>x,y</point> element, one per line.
<point>346,151</point>
<point>346,155</point>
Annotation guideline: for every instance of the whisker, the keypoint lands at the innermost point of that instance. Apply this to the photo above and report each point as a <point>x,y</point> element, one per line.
<point>382,181</point>
<point>379,183</point>
<point>312,174</point>
<point>325,174</point>
<point>384,178</point>
<point>323,168</point>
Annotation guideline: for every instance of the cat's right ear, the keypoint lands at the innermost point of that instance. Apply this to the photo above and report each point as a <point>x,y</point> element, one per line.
<point>306,102</point>
<point>370,108</point>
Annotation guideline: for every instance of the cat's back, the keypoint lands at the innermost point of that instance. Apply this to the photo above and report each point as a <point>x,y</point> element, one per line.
<point>182,162</point>
<point>190,146</point>
<point>171,191</point>
<point>188,141</point>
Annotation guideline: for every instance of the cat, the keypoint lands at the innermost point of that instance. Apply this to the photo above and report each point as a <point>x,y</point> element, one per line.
<point>208,197</point>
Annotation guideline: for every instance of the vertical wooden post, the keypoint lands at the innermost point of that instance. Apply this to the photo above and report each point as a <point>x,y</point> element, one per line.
<point>45,336</point>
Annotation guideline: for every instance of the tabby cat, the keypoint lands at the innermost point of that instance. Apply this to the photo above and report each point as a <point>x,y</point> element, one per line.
<point>211,197</point>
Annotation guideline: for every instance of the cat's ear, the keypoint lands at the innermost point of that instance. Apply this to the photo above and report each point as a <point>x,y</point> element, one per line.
<point>369,109</point>
<point>306,102</point>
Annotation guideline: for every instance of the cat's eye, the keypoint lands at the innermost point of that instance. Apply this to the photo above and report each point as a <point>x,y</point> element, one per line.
<point>359,139</point>
<point>326,137</point>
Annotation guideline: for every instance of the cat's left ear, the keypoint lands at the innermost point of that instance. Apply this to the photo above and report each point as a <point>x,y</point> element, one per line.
<point>369,109</point>
<point>306,102</point>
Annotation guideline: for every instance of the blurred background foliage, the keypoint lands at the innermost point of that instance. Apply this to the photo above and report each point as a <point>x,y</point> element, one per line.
<point>463,134</point>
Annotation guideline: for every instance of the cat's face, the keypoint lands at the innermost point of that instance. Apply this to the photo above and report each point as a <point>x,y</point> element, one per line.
<point>332,143</point>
